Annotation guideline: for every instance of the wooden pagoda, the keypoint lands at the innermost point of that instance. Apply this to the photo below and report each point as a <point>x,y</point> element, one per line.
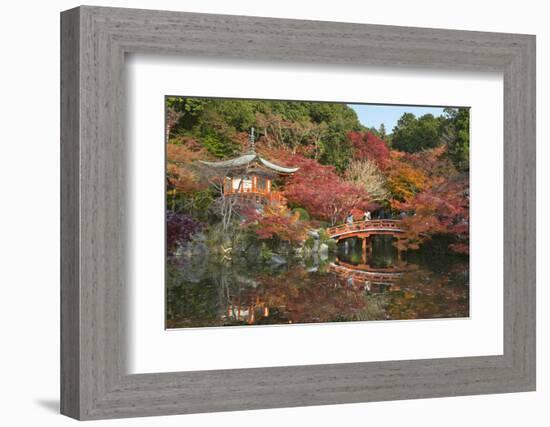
<point>250,176</point>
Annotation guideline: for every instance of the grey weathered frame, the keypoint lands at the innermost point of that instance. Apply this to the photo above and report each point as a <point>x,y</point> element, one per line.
<point>94,41</point>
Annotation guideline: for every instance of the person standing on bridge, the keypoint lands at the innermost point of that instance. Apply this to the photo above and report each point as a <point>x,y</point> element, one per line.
<point>367,216</point>
<point>349,219</point>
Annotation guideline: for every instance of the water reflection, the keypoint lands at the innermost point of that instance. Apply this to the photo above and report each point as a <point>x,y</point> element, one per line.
<point>352,284</point>
<point>378,251</point>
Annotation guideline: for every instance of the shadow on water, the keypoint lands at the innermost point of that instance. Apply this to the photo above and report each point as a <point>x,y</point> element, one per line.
<point>352,284</point>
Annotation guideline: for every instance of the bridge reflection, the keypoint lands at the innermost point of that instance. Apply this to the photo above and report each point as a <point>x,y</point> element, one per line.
<point>363,275</point>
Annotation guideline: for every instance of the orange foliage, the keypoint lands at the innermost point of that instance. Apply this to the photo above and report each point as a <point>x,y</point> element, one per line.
<point>180,168</point>
<point>276,221</point>
<point>434,163</point>
<point>404,182</point>
<point>427,186</point>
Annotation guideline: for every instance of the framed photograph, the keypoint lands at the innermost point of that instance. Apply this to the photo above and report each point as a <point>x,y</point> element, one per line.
<point>315,215</point>
<point>262,213</point>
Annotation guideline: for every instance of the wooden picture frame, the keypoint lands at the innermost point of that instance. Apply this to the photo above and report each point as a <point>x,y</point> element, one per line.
<point>94,382</point>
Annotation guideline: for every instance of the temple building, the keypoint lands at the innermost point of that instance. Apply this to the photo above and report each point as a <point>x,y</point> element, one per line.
<point>250,176</point>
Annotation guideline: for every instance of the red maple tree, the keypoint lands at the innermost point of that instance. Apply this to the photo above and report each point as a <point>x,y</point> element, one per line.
<point>367,146</point>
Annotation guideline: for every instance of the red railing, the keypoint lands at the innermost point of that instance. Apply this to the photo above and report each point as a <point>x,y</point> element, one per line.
<point>272,196</point>
<point>242,190</point>
<point>388,225</point>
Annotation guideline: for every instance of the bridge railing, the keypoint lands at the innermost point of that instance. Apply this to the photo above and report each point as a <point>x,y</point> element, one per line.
<point>391,224</point>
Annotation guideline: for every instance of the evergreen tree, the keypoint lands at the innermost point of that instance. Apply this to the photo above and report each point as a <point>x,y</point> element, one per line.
<point>416,134</point>
<point>382,131</point>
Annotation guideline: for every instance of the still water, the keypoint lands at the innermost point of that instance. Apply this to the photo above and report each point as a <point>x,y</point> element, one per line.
<point>352,284</point>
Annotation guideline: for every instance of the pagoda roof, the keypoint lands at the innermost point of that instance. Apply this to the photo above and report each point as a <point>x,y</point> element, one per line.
<point>247,159</point>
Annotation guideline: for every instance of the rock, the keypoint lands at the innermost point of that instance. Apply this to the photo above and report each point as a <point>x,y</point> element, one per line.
<point>323,251</point>
<point>298,252</point>
<point>194,269</point>
<point>247,280</point>
<point>277,260</point>
<point>253,252</point>
<point>199,237</point>
<point>332,244</point>
<point>314,234</point>
<point>315,259</point>
<point>193,249</point>
<point>315,247</point>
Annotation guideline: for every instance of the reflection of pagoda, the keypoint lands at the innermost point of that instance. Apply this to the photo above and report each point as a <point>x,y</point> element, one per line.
<point>250,313</point>
<point>250,176</point>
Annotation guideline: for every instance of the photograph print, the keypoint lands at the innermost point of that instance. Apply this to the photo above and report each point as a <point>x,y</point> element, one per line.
<point>294,212</point>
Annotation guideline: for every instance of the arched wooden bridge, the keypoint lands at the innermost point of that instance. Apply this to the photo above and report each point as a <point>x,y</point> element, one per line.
<point>363,229</point>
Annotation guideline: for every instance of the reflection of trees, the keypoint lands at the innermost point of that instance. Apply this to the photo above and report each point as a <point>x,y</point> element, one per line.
<point>384,253</point>
<point>237,293</point>
<point>311,297</point>
<point>190,303</point>
<point>423,294</point>
<point>376,251</point>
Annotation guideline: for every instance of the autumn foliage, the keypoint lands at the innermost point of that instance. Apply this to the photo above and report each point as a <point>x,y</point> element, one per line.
<point>404,181</point>
<point>440,205</point>
<point>321,191</point>
<point>275,221</point>
<point>181,170</point>
<point>351,171</point>
<point>368,146</point>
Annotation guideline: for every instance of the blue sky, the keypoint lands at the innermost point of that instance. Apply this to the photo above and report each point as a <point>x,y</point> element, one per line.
<point>373,115</point>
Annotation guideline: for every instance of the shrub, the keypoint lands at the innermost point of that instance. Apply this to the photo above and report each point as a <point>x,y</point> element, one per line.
<point>302,214</point>
<point>179,229</point>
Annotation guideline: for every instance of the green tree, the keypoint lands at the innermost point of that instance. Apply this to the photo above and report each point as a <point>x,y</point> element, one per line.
<point>215,134</point>
<point>382,131</point>
<point>456,134</point>
<point>316,128</point>
<point>335,147</point>
<point>416,134</point>
<point>182,113</point>
<point>238,114</point>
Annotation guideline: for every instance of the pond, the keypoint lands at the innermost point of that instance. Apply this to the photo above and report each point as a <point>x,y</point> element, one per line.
<point>350,284</point>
